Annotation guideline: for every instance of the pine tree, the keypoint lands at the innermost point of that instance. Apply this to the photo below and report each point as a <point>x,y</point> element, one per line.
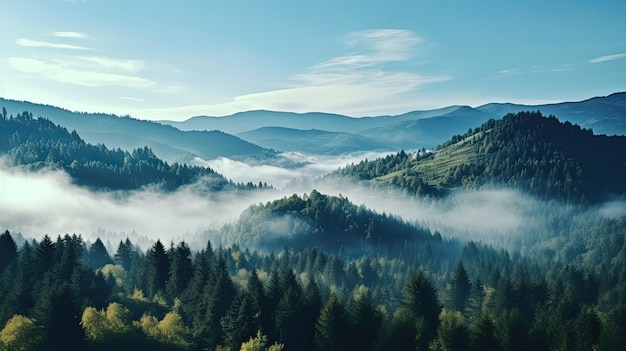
<point>124,254</point>
<point>59,315</point>
<point>180,272</point>
<point>587,330</point>
<point>97,255</point>
<point>331,326</point>
<point>8,250</point>
<point>311,306</point>
<point>17,285</point>
<point>458,291</point>
<point>420,298</point>
<point>254,288</point>
<point>192,296</point>
<point>288,318</point>
<point>364,320</point>
<point>482,334</point>
<point>217,297</point>
<point>157,269</point>
<point>452,334</point>
<point>44,256</point>
<point>240,321</point>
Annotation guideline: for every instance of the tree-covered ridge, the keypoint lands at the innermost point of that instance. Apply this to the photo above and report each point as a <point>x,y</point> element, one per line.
<point>36,143</point>
<point>68,294</point>
<point>318,220</point>
<point>526,150</point>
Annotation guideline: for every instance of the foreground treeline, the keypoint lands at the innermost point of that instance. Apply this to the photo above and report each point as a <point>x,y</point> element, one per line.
<point>66,294</point>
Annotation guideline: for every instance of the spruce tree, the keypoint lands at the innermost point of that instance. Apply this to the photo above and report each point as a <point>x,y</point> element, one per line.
<point>420,298</point>
<point>8,250</point>
<point>97,255</point>
<point>331,327</point>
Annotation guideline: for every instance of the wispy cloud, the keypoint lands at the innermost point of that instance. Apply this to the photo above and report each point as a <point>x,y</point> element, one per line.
<point>113,63</point>
<point>361,82</point>
<point>68,73</point>
<point>608,58</point>
<point>376,46</point>
<point>74,35</point>
<point>84,70</point>
<point>505,73</point>
<point>560,68</point>
<point>508,72</point>
<point>44,44</point>
<point>130,98</point>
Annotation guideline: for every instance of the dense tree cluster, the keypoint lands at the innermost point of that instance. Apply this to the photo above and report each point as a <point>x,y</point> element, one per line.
<point>323,221</point>
<point>68,294</point>
<point>546,157</point>
<point>36,143</point>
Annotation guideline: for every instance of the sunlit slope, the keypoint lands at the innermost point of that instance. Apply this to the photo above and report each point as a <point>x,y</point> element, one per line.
<point>526,150</point>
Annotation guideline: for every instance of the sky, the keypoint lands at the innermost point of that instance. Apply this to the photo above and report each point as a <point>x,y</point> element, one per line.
<point>174,60</point>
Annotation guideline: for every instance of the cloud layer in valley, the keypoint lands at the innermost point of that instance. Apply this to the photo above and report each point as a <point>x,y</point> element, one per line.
<point>277,176</point>
<point>47,202</point>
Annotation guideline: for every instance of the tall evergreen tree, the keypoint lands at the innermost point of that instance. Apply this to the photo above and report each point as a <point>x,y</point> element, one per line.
<point>458,291</point>
<point>157,269</point>
<point>180,272</point>
<point>482,334</point>
<point>254,288</point>
<point>240,321</point>
<point>311,306</point>
<point>364,320</point>
<point>331,330</point>
<point>124,254</point>
<point>420,298</point>
<point>192,296</point>
<point>8,250</point>
<point>216,299</point>
<point>44,256</point>
<point>97,256</point>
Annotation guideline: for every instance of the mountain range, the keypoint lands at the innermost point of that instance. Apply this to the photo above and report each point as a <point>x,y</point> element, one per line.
<point>412,130</point>
<point>259,134</point>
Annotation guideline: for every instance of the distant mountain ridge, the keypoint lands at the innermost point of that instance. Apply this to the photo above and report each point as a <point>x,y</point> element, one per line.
<point>416,129</point>
<point>258,135</point>
<point>310,141</point>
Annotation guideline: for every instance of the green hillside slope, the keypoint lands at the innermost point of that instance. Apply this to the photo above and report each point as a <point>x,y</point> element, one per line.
<point>526,150</point>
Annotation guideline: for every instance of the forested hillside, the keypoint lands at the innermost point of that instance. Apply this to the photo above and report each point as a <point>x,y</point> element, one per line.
<point>37,143</point>
<point>538,154</point>
<point>325,222</point>
<point>129,133</point>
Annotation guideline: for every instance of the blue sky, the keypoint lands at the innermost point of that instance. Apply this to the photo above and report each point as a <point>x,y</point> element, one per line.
<point>174,60</point>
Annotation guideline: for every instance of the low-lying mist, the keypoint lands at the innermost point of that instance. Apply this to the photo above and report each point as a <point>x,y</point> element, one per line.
<point>307,166</point>
<point>46,202</point>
